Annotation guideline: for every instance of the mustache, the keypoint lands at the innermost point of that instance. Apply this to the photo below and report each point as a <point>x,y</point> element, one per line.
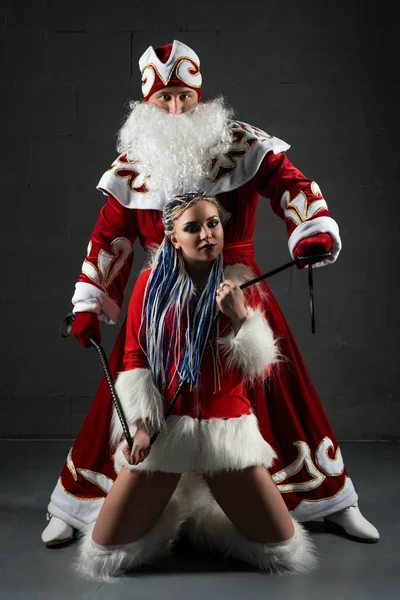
<point>174,149</point>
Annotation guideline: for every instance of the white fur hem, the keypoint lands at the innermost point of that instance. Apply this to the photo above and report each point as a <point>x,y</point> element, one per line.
<point>89,298</point>
<point>140,399</point>
<point>205,446</point>
<point>313,227</point>
<point>254,348</point>
<point>105,563</point>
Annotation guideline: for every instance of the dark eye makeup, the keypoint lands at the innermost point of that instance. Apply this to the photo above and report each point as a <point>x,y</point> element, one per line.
<point>194,227</point>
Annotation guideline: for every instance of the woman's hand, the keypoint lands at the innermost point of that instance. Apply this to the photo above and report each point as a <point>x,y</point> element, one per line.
<point>230,301</point>
<point>141,446</point>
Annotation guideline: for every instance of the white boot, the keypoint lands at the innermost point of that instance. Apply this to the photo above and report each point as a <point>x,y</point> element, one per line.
<point>351,522</point>
<point>105,563</point>
<point>57,532</point>
<point>208,526</point>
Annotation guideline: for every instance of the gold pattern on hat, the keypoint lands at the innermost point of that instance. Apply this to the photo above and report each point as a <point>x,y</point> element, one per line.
<point>175,67</point>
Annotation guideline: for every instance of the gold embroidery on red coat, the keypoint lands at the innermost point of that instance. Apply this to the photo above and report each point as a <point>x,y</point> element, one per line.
<point>243,138</point>
<point>316,190</point>
<point>318,467</point>
<point>303,460</point>
<point>298,209</point>
<point>95,477</point>
<point>71,466</point>
<point>108,264</point>
<point>330,466</point>
<point>137,182</point>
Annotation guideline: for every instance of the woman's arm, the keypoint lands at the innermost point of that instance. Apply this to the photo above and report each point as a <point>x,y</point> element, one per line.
<point>251,345</point>
<point>141,401</point>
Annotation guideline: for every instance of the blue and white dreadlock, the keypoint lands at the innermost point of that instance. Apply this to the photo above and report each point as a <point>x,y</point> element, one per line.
<point>172,299</point>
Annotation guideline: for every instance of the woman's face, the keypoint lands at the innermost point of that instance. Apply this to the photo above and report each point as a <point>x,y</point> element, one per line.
<point>199,233</point>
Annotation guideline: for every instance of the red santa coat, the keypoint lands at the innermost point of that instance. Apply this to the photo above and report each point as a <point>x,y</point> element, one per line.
<point>309,470</point>
<point>211,427</point>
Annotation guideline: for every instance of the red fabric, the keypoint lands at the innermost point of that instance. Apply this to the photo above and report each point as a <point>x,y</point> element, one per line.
<point>84,326</point>
<point>230,401</point>
<point>321,243</point>
<point>288,408</point>
<point>164,52</point>
<point>277,175</point>
<point>114,222</point>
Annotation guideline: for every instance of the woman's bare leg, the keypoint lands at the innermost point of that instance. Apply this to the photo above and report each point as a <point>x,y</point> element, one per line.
<point>134,503</point>
<point>251,500</point>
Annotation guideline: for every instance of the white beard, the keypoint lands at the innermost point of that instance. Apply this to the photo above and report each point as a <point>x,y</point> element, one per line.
<point>174,150</point>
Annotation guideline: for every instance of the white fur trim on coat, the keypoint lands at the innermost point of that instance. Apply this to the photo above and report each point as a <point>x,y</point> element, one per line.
<point>140,399</point>
<point>88,298</point>
<point>313,227</point>
<point>209,527</point>
<point>105,563</point>
<point>206,446</point>
<point>254,348</point>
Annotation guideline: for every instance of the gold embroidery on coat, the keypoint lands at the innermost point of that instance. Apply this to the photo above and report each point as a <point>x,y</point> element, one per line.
<point>71,466</point>
<point>337,461</point>
<point>243,138</point>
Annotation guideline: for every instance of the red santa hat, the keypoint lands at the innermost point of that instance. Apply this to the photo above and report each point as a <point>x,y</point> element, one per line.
<point>172,65</point>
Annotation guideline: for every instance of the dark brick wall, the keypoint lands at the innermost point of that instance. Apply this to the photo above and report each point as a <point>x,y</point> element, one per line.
<point>321,75</point>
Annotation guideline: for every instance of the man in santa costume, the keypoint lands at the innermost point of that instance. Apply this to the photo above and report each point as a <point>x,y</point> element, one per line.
<point>172,143</point>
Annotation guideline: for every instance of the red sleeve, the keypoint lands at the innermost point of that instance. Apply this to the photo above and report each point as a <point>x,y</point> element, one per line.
<point>135,357</point>
<point>109,259</point>
<point>293,196</point>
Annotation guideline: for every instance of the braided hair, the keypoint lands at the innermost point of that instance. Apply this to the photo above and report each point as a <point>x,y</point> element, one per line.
<point>172,302</point>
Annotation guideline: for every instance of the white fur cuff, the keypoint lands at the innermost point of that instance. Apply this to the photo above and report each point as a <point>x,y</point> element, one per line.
<point>89,298</point>
<point>313,227</point>
<point>254,348</point>
<point>140,399</point>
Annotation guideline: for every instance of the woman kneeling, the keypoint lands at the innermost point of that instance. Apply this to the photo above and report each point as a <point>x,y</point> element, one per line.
<point>226,495</point>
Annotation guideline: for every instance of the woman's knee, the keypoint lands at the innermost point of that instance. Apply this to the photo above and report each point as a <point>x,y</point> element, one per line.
<point>133,507</point>
<point>252,502</point>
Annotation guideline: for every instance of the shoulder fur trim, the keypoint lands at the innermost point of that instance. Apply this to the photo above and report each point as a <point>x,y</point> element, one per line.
<point>140,399</point>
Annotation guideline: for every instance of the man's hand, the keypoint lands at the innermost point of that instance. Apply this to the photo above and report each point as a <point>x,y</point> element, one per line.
<point>84,326</point>
<point>230,301</point>
<point>141,446</point>
<point>321,243</point>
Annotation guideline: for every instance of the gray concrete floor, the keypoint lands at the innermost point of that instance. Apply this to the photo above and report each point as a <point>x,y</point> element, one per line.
<point>347,570</point>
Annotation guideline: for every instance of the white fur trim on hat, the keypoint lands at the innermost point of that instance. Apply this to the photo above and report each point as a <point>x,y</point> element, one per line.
<point>313,227</point>
<point>206,446</point>
<point>140,399</point>
<point>253,349</point>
